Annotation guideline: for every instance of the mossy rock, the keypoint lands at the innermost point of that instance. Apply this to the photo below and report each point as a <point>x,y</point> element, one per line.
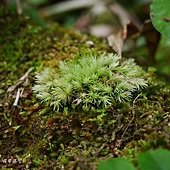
<point>37,137</point>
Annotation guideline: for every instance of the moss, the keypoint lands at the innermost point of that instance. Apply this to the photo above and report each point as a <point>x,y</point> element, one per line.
<point>91,82</point>
<point>40,138</point>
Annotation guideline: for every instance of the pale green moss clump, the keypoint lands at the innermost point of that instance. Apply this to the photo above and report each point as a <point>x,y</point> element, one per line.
<point>90,81</point>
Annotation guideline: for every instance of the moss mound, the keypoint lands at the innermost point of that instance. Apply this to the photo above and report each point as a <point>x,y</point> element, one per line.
<point>90,82</point>
<point>36,137</point>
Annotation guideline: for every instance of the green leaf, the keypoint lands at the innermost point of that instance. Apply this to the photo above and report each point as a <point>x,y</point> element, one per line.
<point>160,15</point>
<point>155,160</point>
<point>116,164</point>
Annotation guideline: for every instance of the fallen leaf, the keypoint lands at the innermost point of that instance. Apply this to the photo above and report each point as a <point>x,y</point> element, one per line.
<point>116,41</point>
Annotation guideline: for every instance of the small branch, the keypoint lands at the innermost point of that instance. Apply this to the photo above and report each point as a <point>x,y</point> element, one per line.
<point>26,74</point>
<point>21,80</point>
<point>19,93</point>
<point>133,117</point>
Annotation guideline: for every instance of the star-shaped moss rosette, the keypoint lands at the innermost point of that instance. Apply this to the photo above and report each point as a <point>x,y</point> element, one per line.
<point>91,81</point>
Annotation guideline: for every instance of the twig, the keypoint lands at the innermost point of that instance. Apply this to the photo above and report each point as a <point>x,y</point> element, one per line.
<point>26,74</point>
<point>133,116</point>
<point>19,93</point>
<point>21,80</point>
<point>13,87</point>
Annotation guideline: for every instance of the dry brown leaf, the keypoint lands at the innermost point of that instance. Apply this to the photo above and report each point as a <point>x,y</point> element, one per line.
<point>130,27</point>
<point>116,41</point>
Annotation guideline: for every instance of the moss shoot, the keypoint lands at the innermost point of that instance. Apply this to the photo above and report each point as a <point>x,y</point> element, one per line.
<point>91,81</point>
